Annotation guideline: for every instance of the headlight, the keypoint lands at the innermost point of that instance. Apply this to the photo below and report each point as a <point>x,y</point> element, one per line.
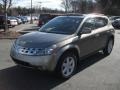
<point>35,51</point>
<point>46,51</point>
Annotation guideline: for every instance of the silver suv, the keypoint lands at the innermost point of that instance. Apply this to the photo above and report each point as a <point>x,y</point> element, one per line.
<point>62,42</point>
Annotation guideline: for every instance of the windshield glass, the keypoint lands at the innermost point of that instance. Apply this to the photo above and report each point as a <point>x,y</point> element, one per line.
<point>62,25</point>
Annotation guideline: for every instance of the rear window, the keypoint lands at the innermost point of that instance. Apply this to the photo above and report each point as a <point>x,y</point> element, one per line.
<point>44,17</point>
<point>2,18</point>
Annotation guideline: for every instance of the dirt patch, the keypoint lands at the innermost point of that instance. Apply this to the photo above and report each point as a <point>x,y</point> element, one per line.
<point>9,35</point>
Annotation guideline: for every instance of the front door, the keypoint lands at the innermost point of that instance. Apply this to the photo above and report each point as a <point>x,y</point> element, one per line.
<point>87,41</point>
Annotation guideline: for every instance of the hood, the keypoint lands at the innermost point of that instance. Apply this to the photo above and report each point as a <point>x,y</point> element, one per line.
<point>41,40</point>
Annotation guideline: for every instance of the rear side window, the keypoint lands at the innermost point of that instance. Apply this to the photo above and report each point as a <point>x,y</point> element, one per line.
<point>100,22</point>
<point>44,17</point>
<point>2,18</point>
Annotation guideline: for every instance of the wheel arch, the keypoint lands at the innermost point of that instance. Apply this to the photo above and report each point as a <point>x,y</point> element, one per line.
<point>68,48</point>
<point>111,37</point>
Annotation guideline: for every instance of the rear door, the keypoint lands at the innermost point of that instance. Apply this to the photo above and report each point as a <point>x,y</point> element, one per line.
<point>100,32</point>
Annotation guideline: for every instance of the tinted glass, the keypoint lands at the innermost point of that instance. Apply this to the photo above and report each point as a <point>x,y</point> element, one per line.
<point>62,25</point>
<point>2,18</point>
<point>89,23</point>
<point>114,17</point>
<point>44,17</point>
<point>100,22</point>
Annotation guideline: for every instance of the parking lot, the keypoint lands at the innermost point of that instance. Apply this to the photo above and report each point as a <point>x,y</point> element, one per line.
<point>97,72</point>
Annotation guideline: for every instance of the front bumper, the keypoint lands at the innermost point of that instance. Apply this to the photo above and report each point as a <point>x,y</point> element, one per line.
<point>41,62</point>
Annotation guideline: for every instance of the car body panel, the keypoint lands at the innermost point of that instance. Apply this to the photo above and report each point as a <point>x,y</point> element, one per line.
<point>84,44</point>
<point>32,39</point>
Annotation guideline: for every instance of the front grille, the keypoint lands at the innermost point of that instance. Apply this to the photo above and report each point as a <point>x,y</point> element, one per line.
<point>22,63</point>
<point>25,64</point>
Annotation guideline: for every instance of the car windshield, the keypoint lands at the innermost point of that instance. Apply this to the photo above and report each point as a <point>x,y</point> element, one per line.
<point>114,17</point>
<point>11,18</point>
<point>62,25</point>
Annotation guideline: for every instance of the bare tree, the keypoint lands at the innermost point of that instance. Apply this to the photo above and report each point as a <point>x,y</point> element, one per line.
<point>66,4</point>
<point>104,4</point>
<point>75,4</point>
<point>78,6</point>
<point>6,4</point>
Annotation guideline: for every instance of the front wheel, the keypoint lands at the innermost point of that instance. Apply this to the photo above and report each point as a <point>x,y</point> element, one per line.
<point>66,66</point>
<point>109,47</point>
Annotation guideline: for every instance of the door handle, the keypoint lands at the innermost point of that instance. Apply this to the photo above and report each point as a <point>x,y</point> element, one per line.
<point>109,31</point>
<point>97,35</point>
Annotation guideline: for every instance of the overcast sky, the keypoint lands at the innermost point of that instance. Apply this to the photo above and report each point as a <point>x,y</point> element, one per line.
<point>53,4</point>
<point>45,3</point>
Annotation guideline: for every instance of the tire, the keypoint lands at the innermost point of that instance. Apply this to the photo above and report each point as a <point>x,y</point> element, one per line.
<point>66,66</point>
<point>108,49</point>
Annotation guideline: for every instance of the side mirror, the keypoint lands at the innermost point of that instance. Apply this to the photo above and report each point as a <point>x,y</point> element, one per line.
<point>86,31</point>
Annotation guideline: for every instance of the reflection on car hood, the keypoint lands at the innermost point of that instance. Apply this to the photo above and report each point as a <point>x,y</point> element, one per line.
<point>41,40</point>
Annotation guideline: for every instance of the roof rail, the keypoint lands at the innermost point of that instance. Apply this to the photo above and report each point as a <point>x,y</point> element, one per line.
<point>74,14</point>
<point>96,14</point>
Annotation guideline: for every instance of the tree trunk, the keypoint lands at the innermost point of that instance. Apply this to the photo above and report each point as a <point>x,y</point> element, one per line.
<point>6,23</point>
<point>5,13</point>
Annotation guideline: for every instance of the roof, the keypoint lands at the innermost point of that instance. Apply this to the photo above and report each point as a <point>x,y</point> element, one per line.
<point>87,15</point>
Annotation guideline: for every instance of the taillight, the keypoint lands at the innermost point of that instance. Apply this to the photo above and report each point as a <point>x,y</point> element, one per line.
<point>40,23</point>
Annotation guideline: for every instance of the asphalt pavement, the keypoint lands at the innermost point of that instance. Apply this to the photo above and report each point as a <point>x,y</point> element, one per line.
<point>25,27</point>
<point>97,72</point>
